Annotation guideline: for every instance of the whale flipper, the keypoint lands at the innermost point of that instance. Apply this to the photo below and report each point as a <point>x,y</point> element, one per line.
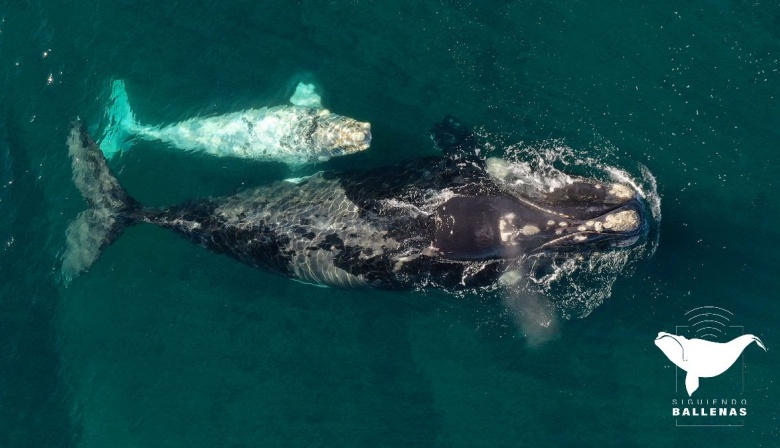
<point>691,383</point>
<point>533,313</point>
<point>306,95</point>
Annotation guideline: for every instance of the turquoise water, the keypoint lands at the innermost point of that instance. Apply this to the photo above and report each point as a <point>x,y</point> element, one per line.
<point>165,344</point>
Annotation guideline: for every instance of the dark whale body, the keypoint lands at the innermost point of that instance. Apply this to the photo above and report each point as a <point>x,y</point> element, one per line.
<point>439,221</point>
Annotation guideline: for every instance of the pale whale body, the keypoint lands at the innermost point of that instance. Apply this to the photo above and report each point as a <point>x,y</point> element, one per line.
<point>450,222</point>
<point>701,358</point>
<point>299,133</point>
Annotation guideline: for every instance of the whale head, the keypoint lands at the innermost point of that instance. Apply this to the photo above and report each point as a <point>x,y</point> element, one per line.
<point>584,215</point>
<point>673,347</point>
<point>336,135</point>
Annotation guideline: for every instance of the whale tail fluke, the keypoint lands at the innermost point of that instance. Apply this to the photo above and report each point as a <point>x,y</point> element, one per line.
<point>111,210</point>
<point>759,343</point>
<point>121,121</point>
<point>691,383</point>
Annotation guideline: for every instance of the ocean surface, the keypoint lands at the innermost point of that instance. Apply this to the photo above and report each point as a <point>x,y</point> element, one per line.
<point>164,344</point>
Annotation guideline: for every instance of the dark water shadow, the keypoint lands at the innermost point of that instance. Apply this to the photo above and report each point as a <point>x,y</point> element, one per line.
<point>35,407</point>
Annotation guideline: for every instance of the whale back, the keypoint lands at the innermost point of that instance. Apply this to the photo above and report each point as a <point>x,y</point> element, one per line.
<point>348,229</point>
<point>290,134</point>
<point>709,359</point>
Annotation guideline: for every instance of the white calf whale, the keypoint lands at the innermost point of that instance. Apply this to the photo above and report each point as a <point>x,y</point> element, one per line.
<point>297,133</point>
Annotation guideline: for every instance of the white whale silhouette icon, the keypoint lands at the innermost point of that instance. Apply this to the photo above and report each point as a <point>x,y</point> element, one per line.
<point>700,358</point>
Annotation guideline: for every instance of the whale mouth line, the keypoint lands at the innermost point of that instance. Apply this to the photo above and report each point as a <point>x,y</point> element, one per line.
<point>620,226</point>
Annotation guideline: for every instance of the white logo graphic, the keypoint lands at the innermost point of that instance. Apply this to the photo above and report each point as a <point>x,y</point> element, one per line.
<point>700,357</point>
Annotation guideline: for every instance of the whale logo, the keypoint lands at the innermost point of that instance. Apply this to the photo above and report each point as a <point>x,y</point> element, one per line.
<point>701,358</point>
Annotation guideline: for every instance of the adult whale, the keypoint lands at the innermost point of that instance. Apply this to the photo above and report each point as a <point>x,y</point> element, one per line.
<point>296,133</point>
<point>451,221</point>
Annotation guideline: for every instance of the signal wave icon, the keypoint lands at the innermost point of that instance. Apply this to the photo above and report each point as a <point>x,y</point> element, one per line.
<point>709,322</point>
